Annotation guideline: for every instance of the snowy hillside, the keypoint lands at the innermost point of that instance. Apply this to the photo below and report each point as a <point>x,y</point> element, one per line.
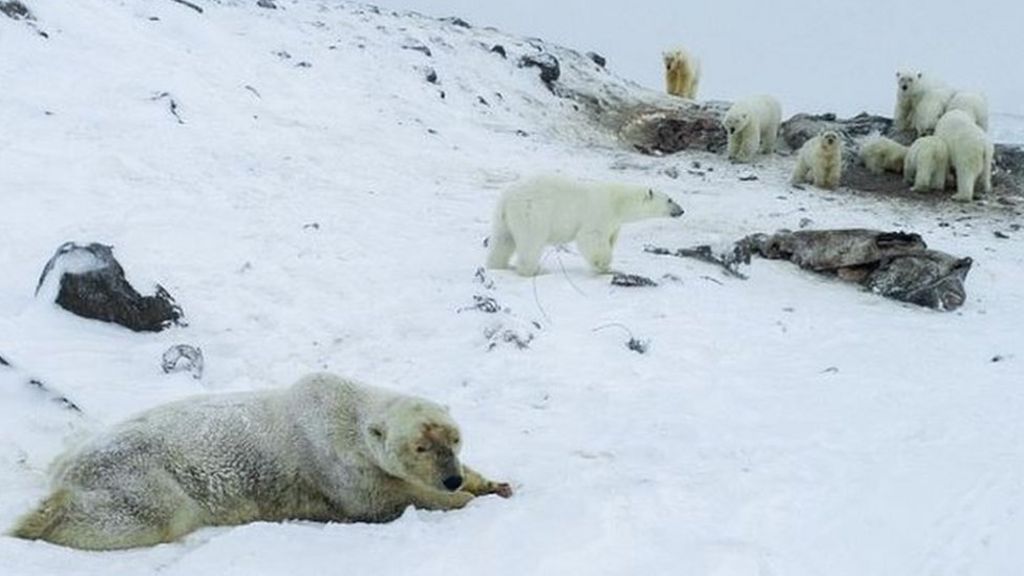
<point>314,201</point>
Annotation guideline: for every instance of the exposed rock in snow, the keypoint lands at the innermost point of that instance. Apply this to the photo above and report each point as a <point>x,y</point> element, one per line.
<point>86,280</point>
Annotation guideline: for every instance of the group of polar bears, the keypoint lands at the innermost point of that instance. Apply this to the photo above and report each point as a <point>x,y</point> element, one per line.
<point>951,134</point>
<point>752,127</point>
<point>950,127</point>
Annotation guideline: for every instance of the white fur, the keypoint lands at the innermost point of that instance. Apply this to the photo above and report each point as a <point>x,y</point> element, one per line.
<point>970,153</point>
<point>882,154</point>
<point>682,73</point>
<point>927,164</point>
<point>920,102</point>
<point>974,103</point>
<point>324,449</point>
<point>550,210</point>
<point>820,161</point>
<point>752,125</point>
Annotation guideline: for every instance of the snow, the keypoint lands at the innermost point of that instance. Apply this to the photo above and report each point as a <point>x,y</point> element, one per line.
<point>786,424</point>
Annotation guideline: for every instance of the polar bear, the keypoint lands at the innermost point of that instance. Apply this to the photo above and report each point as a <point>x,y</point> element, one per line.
<point>882,154</point>
<point>752,125</point>
<point>974,103</point>
<point>970,153</point>
<point>927,164</point>
<point>325,449</point>
<point>550,210</point>
<point>682,73</point>
<point>920,102</point>
<point>821,158</point>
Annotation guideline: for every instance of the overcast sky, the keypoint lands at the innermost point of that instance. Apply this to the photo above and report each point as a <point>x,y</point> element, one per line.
<point>814,55</point>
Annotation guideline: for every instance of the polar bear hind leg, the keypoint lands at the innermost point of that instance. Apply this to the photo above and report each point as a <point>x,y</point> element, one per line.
<point>500,246</point>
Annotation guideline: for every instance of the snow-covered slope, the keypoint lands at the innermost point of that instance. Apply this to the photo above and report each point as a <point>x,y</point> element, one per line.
<point>316,204</point>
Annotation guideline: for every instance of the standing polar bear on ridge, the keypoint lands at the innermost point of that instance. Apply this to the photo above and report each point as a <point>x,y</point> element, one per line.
<point>325,449</point>
<point>682,73</point>
<point>752,126</point>
<point>551,210</point>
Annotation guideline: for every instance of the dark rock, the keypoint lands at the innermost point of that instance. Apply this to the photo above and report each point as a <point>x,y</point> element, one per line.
<point>548,65</point>
<point>417,46</point>
<point>269,4</point>
<point>431,75</point>
<point>896,265</point>
<point>670,131</point>
<point>56,397</point>
<point>456,21</point>
<point>4,362</point>
<point>15,10</point>
<point>499,50</point>
<point>92,284</point>
<point>597,59</point>
<point>631,280</point>
<point>183,358</point>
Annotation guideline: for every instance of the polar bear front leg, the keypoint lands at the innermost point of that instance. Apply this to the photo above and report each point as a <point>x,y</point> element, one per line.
<point>596,246</point>
<point>427,499</point>
<point>528,257</point>
<point>477,485</point>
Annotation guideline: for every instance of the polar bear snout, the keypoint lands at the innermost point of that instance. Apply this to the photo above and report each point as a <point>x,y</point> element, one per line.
<point>674,210</point>
<point>453,483</point>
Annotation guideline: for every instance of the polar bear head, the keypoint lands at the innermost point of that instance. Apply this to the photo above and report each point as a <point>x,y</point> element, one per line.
<point>631,203</point>
<point>417,441</point>
<point>674,60</point>
<point>736,120</point>
<point>829,140</point>
<point>909,83</point>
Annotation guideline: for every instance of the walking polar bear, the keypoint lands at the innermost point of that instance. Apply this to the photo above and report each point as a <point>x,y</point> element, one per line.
<point>820,159</point>
<point>325,449</point>
<point>927,164</point>
<point>752,126</point>
<point>550,210</point>
<point>970,153</point>
<point>682,73</point>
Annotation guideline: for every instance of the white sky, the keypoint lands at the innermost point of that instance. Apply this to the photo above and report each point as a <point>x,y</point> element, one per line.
<point>837,55</point>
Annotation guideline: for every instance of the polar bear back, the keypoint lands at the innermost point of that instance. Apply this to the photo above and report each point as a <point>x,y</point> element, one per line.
<point>554,208</point>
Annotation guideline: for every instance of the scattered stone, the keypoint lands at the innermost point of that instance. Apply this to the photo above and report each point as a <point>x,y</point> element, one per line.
<point>805,222</point>
<point>172,104</point>
<point>672,172</point>
<point>483,101</point>
<point>86,280</point>
<point>431,75</point>
<point>1001,235</point>
<point>417,46</point>
<point>456,21</point>
<point>498,335</point>
<point>631,280</point>
<point>304,64</point>
<point>188,4</point>
<point>15,10</point>
<point>282,54</point>
<point>638,346</point>
<point>56,397</point>
<point>268,4</point>
<point>597,59</point>
<point>481,276</point>
<point>499,50</point>
<point>748,178</point>
<point>548,65</point>
<point>311,226</point>
<point>4,362</point>
<point>484,304</point>
<point>183,358</point>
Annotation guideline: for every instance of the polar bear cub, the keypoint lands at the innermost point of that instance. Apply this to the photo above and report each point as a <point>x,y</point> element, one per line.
<point>752,126</point>
<point>883,154</point>
<point>974,103</point>
<point>927,164</point>
<point>682,73</point>
<point>820,159</point>
<point>325,449</point>
<point>549,210</point>
<point>970,153</point>
<point>920,102</point>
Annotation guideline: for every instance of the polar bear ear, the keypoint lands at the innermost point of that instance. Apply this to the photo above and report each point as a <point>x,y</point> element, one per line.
<point>919,74</point>
<point>650,193</point>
